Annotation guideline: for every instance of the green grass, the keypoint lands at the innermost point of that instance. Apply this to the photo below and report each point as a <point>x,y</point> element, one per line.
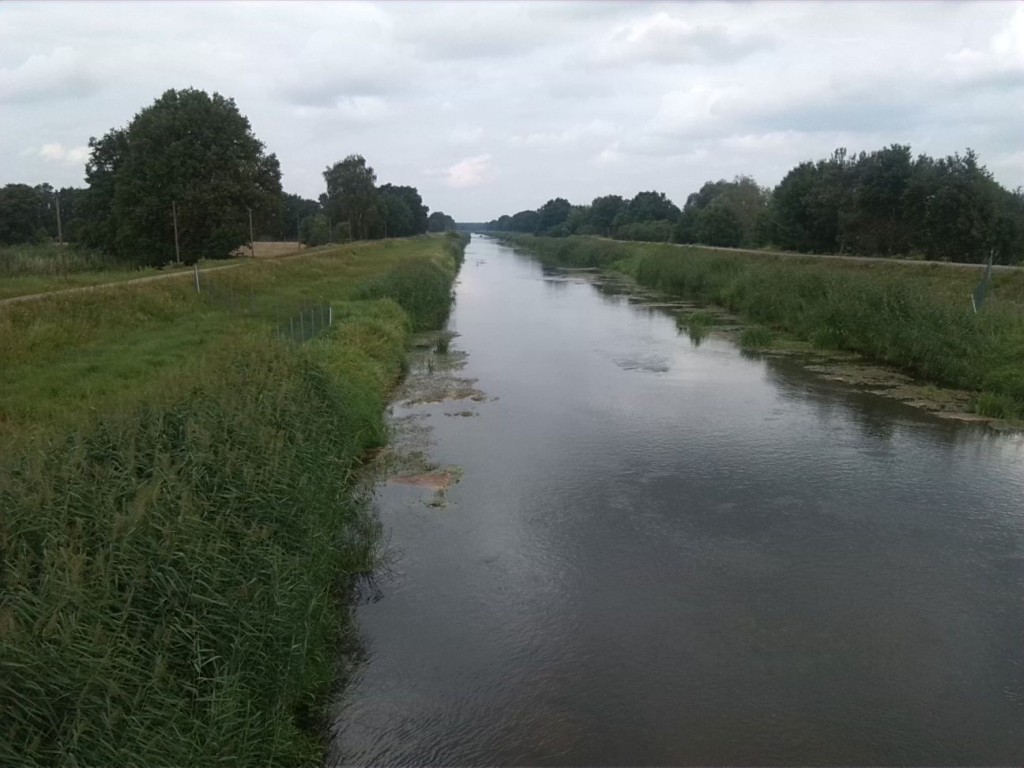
<point>42,268</point>
<point>915,316</point>
<point>756,337</point>
<point>697,325</point>
<point>178,519</point>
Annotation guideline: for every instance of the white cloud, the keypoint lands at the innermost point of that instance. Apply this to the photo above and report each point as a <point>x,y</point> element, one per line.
<point>571,135</point>
<point>58,153</point>
<point>666,39</point>
<point>572,99</point>
<point>466,134</point>
<point>1003,55</point>
<point>61,73</point>
<point>470,172</point>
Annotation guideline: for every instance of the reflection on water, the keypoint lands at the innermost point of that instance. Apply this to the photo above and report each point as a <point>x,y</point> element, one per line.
<point>669,554</point>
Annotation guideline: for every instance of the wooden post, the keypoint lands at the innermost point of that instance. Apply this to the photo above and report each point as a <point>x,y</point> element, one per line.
<point>60,229</point>
<point>177,251</point>
<point>252,242</point>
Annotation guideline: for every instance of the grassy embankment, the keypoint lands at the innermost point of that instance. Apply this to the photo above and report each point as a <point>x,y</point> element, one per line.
<point>917,317</point>
<point>177,519</point>
<point>47,267</point>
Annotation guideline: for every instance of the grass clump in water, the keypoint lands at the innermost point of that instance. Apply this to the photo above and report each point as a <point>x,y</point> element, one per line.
<point>697,325</point>
<point>756,337</point>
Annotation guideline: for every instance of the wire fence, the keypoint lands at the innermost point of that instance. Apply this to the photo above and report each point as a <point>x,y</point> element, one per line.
<point>308,322</point>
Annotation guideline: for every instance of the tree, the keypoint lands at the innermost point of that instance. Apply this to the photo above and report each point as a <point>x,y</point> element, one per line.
<point>19,214</point>
<point>352,194</point>
<point>188,148</point>
<point>603,211</point>
<point>525,221</point>
<point>293,210</point>
<point>872,219</point>
<point>729,213</point>
<point>806,205</point>
<point>553,213</point>
<point>313,230</point>
<point>402,210</point>
<point>440,222</point>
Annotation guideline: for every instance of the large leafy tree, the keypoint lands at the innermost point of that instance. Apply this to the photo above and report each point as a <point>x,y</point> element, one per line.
<point>352,195</point>
<point>439,221</point>
<point>19,214</point>
<point>402,212</point>
<point>603,211</point>
<point>189,149</point>
<point>553,214</point>
<point>294,209</point>
<point>724,213</point>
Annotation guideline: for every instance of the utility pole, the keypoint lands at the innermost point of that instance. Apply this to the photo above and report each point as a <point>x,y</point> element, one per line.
<point>174,216</point>
<point>60,230</point>
<point>252,242</point>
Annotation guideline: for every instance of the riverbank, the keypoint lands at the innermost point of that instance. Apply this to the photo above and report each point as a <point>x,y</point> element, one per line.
<point>916,317</point>
<point>179,517</point>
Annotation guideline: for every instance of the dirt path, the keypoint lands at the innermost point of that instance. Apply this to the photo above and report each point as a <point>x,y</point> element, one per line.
<point>837,257</point>
<point>275,253</point>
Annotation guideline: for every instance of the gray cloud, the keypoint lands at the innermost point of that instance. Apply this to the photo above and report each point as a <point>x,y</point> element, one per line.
<point>493,107</point>
<point>58,74</point>
<point>665,38</point>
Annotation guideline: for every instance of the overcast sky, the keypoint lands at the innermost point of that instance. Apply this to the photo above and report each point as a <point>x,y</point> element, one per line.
<point>494,107</point>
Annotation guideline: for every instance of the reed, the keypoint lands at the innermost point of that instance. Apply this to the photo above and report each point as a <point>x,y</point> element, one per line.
<point>917,317</point>
<point>174,566</point>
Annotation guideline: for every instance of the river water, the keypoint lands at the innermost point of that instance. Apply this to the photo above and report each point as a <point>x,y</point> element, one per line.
<point>661,553</point>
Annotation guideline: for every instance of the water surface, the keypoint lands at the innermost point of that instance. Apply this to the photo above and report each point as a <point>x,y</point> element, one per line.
<point>668,554</point>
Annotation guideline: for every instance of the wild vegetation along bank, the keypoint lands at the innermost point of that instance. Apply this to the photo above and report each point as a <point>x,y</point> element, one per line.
<point>177,518</point>
<point>915,316</point>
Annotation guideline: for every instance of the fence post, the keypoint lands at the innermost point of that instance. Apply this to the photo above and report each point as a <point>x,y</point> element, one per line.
<point>195,267</point>
<point>330,315</point>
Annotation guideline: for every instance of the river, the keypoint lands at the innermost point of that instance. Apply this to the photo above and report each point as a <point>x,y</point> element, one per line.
<point>664,553</point>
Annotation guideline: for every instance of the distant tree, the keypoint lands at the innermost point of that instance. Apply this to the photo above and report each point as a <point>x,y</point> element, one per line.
<point>19,215</point>
<point>553,214</point>
<point>525,221</point>
<point>189,148</point>
<point>728,213</point>
<point>719,224</point>
<point>643,208</point>
<point>603,211</point>
<point>872,218</point>
<point>402,211</point>
<point>440,222</point>
<point>313,230</point>
<point>352,195</point>
<point>293,210</point>
<point>578,221</point>
<point>807,203</point>
<point>649,231</point>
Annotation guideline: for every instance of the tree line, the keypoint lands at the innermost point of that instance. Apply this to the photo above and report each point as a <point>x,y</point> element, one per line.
<point>188,176</point>
<point>881,203</point>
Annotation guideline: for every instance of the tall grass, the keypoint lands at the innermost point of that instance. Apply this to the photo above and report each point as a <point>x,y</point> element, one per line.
<point>171,573</point>
<point>916,317</point>
<point>53,260</point>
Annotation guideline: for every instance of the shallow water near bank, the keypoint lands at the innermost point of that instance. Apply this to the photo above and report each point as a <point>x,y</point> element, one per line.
<point>662,552</point>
